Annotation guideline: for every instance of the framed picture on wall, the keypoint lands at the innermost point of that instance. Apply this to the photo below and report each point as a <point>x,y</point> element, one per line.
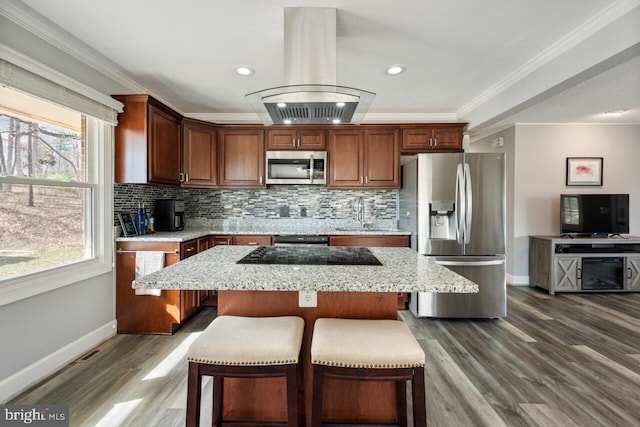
<point>584,171</point>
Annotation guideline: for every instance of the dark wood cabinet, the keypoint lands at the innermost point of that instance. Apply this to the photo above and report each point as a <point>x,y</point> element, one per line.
<point>368,158</point>
<point>151,314</point>
<point>296,139</point>
<point>147,142</point>
<point>435,138</point>
<point>199,154</point>
<point>259,240</point>
<point>241,158</point>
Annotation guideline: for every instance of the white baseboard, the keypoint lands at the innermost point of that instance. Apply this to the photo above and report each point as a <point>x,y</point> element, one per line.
<point>21,380</point>
<point>517,280</point>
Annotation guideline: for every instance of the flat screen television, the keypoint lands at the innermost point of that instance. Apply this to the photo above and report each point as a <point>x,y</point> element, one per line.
<point>594,214</point>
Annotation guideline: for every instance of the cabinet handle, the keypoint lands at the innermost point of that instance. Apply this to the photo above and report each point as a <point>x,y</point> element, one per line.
<point>435,142</point>
<point>190,249</point>
<point>629,273</point>
<point>295,142</point>
<point>361,180</point>
<point>430,142</point>
<point>181,177</point>
<point>186,177</point>
<point>579,273</point>
<point>298,142</point>
<point>366,179</point>
<point>261,179</point>
<point>252,243</point>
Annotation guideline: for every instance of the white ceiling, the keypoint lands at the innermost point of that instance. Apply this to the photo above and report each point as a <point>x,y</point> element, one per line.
<point>491,63</point>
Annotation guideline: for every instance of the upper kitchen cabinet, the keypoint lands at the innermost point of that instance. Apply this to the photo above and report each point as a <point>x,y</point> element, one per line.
<point>147,142</point>
<point>445,137</point>
<point>296,139</point>
<point>199,154</point>
<point>241,157</point>
<point>368,158</point>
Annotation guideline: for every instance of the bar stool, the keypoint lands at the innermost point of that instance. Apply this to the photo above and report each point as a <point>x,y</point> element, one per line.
<point>369,350</point>
<point>246,347</point>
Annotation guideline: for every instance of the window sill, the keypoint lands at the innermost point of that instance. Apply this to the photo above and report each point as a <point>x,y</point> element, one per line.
<point>18,288</point>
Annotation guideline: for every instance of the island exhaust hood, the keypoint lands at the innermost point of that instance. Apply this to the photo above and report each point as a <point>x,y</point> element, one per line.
<point>311,95</point>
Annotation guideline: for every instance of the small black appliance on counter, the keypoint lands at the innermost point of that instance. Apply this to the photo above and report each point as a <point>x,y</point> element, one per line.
<point>169,214</point>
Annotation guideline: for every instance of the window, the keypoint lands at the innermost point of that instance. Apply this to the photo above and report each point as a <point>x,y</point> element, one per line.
<point>55,194</point>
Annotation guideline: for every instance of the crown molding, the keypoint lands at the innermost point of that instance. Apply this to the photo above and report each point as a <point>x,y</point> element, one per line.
<point>572,39</point>
<point>43,28</point>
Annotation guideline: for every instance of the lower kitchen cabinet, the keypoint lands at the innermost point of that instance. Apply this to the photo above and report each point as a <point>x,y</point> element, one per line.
<point>260,240</point>
<point>150,314</point>
<point>375,241</point>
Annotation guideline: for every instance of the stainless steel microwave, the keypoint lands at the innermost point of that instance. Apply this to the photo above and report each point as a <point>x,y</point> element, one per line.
<point>296,167</point>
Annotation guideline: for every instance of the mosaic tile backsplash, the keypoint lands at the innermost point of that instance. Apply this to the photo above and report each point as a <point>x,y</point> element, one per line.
<point>293,201</point>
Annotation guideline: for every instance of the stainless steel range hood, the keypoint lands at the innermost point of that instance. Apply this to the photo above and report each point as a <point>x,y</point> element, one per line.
<point>311,95</point>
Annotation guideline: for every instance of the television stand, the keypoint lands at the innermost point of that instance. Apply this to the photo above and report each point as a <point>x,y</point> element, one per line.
<point>585,264</point>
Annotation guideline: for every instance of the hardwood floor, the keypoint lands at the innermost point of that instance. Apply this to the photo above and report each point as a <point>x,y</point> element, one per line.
<point>564,360</point>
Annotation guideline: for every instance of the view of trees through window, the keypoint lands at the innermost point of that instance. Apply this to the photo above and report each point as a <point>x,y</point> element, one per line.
<point>43,223</point>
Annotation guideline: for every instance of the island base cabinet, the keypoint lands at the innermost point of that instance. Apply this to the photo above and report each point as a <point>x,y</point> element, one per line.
<point>344,400</point>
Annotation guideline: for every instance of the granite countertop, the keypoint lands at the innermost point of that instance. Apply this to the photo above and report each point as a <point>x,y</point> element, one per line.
<point>268,228</point>
<point>402,270</point>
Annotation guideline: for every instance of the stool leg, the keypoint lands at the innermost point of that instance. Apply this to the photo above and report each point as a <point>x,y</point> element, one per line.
<point>293,404</point>
<point>194,382</point>
<point>401,403</point>
<point>316,405</point>
<point>419,398</point>
<point>218,390</point>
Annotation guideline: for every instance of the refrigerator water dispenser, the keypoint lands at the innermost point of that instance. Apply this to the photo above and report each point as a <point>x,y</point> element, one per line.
<point>442,221</point>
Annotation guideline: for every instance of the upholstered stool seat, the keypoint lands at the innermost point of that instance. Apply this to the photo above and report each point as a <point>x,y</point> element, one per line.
<point>369,350</point>
<point>233,346</point>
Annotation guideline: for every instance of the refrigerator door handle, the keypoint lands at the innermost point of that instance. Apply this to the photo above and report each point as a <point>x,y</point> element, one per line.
<point>471,263</point>
<point>460,200</point>
<point>469,196</point>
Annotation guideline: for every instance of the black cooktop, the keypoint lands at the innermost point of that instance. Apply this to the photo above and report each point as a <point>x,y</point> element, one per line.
<point>301,255</point>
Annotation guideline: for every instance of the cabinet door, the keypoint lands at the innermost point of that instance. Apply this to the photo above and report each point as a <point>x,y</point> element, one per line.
<point>447,139</point>
<point>417,139</point>
<point>381,158</point>
<point>311,139</point>
<point>199,148</point>
<point>633,273</point>
<point>241,158</point>
<point>221,240</point>
<point>164,147</point>
<point>346,154</point>
<point>566,278</point>
<point>282,139</point>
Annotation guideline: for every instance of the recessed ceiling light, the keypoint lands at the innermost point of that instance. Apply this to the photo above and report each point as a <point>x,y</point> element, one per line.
<point>340,104</point>
<point>615,112</point>
<point>336,121</point>
<point>394,70</point>
<point>281,104</point>
<point>287,121</point>
<point>245,71</point>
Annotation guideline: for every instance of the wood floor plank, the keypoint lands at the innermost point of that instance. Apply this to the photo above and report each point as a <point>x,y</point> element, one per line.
<point>563,360</point>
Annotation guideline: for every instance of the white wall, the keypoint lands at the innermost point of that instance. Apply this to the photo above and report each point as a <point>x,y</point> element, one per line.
<point>536,171</point>
<point>42,333</point>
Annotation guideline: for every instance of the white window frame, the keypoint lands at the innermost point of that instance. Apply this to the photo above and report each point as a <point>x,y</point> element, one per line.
<point>38,80</point>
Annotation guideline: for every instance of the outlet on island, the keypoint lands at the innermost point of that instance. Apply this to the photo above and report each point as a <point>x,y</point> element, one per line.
<point>307,299</point>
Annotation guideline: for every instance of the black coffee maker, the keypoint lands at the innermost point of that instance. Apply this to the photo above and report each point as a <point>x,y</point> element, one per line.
<point>169,214</point>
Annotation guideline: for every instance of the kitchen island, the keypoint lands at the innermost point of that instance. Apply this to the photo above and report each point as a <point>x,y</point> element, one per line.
<point>347,291</point>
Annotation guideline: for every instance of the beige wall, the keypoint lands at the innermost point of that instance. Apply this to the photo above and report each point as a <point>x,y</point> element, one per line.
<point>536,167</point>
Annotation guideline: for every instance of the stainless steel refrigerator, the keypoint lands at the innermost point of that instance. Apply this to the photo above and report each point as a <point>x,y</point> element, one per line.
<point>454,205</point>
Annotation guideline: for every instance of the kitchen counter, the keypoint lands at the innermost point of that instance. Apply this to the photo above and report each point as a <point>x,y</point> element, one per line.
<point>269,228</point>
<point>402,270</point>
